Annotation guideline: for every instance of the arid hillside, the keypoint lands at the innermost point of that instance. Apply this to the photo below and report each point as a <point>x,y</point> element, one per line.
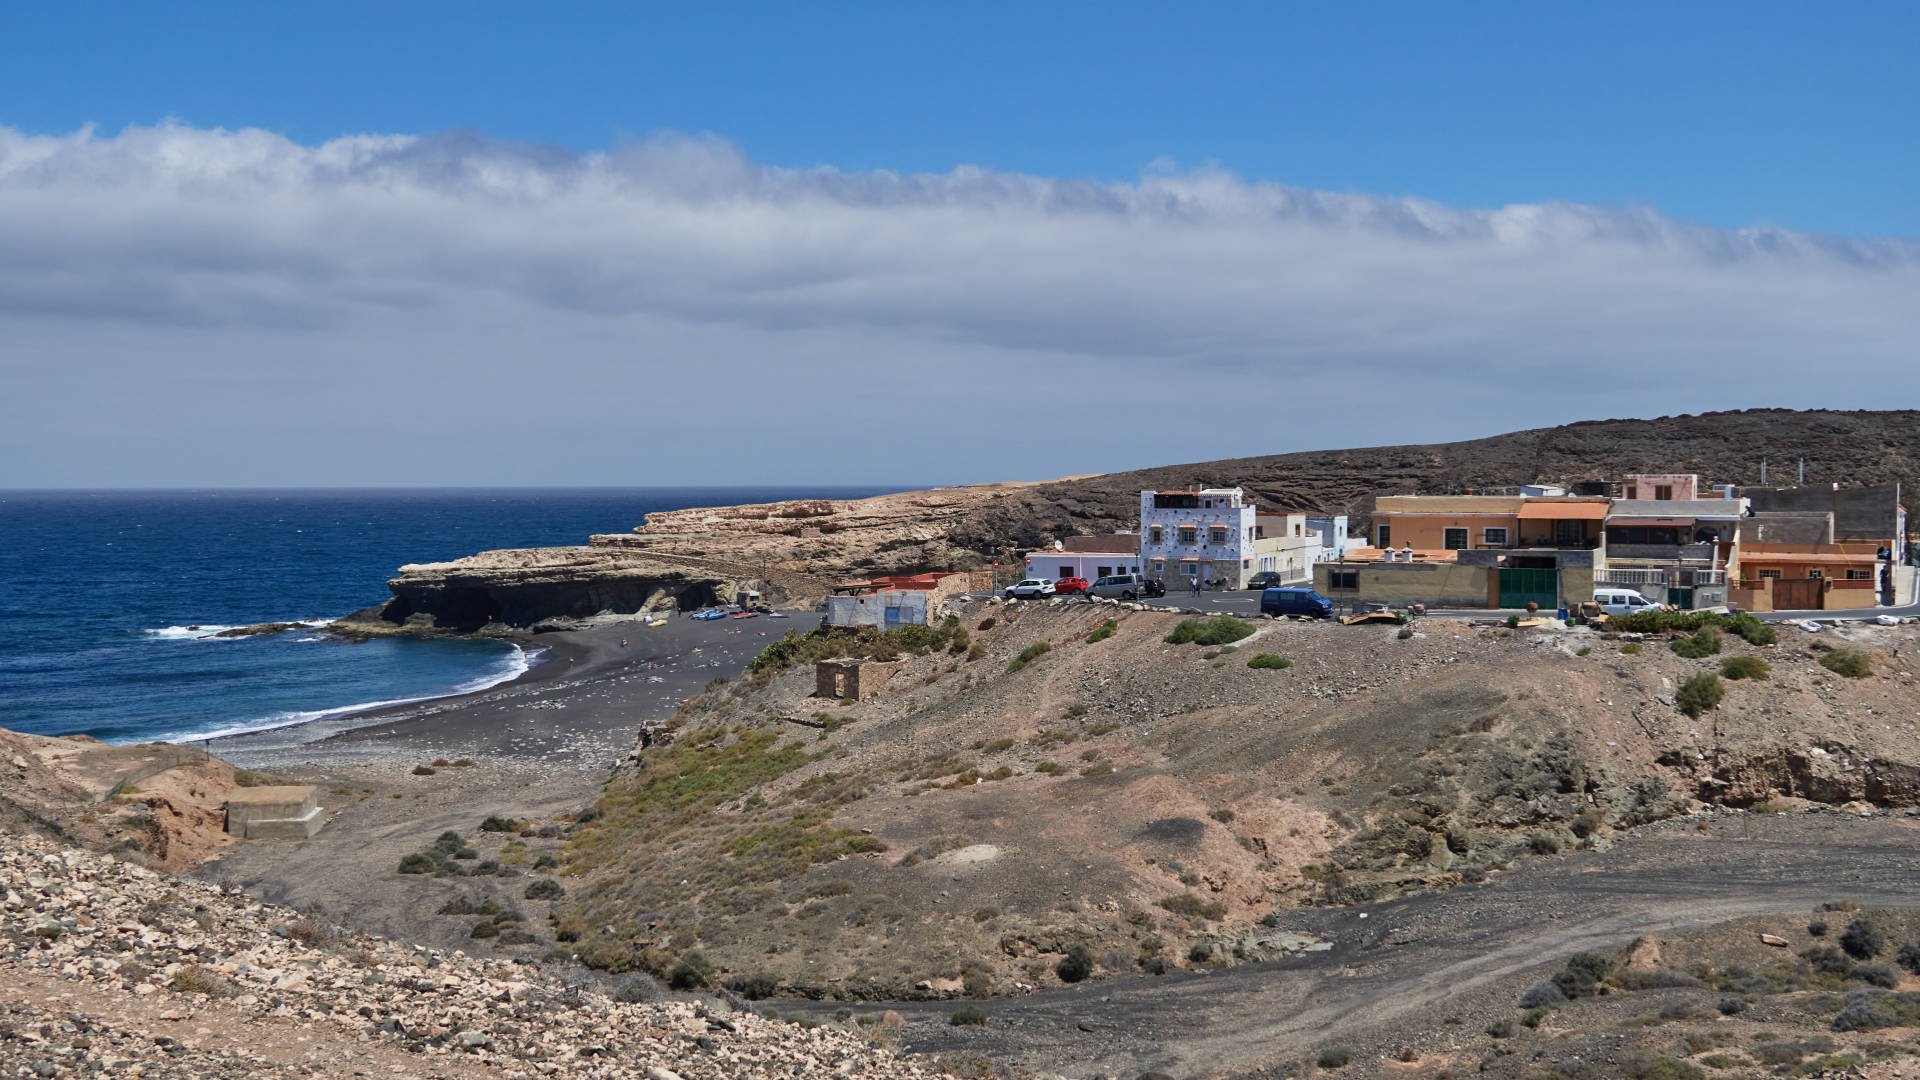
<point>1036,785</point>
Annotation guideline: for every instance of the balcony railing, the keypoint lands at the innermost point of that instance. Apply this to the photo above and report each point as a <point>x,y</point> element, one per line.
<point>1631,579</point>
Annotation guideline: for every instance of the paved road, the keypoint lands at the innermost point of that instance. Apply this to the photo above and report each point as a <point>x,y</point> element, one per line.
<point>1398,968</point>
<point>1247,602</point>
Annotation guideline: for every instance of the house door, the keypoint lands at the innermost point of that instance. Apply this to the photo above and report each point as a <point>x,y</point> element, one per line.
<point>1796,594</point>
<point>1520,587</point>
<point>1680,598</point>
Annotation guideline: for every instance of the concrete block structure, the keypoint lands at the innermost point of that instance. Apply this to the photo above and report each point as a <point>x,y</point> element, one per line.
<point>1090,557</point>
<point>851,677</point>
<point>273,813</point>
<point>895,600</point>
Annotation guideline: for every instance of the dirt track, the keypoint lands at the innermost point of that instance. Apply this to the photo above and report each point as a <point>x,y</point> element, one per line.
<point>1398,969</point>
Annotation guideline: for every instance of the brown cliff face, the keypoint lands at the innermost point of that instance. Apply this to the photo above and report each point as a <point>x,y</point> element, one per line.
<point>793,551</point>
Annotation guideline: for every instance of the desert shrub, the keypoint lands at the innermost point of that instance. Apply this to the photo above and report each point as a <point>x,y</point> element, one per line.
<point>1583,650</point>
<point>1076,965</point>
<point>1200,953</point>
<point>976,651</point>
<point>1029,654</point>
<point>689,973</point>
<point>1513,622</point>
<point>1864,1012</point>
<point>1501,1029</point>
<point>194,979</point>
<point>441,763</point>
<point>637,987</point>
<point>1731,1005</point>
<point>500,824</point>
<point>544,889</point>
<point>1049,767</point>
<point>1881,975</point>
<point>1219,630</point>
<point>1828,960</point>
<point>1543,994</point>
<point>484,930</point>
<point>1102,632</point>
<point>968,1016</point>
<point>1334,1057</point>
<point>448,842</point>
<point>1536,1015</point>
<point>1582,974</point>
<point>1699,693</point>
<point>1745,667</point>
<point>545,862</point>
<point>1862,940</point>
<point>1223,816</point>
<point>1269,661</point>
<point>1909,957</point>
<point>416,863</point>
<point>423,770</point>
<point>1702,643</point>
<point>1853,665</point>
<point>1585,824</point>
<point>1192,907</point>
<point>466,854</point>
<point>1541,843</point>
<point>1631,648</point>
<point>755,987</point>
<point>1817,928</point>
<point>1405,633</point>
<point>1676,1010</point>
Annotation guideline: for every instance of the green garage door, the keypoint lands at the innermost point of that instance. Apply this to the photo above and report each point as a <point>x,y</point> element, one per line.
<point>1519,587</point>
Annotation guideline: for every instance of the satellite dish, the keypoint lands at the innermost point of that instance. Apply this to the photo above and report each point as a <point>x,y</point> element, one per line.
<point>1059,545</point>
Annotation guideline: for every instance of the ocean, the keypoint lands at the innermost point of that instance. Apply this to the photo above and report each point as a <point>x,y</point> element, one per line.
<point>101,593</point>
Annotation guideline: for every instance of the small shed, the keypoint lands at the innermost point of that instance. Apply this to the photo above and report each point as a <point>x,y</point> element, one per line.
<point>851,677</point>
<point>273,813</point>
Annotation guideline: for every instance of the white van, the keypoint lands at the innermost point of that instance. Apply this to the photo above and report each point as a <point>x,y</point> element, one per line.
<point>1618,601</point>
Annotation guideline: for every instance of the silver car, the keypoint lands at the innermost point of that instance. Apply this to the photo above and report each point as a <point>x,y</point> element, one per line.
<point>1119,587</point>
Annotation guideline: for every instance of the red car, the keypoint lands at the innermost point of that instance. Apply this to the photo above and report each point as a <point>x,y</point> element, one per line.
<point>1070,585</point>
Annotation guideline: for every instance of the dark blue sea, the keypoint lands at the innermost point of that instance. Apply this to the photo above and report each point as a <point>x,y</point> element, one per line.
<point>99,591</point>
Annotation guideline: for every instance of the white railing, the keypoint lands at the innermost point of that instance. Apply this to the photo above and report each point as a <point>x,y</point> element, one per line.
<point>1703,577</point>
<point>1630,578</point>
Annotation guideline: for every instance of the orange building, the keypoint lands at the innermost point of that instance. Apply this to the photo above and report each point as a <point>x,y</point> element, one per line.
<point>1796,577</point>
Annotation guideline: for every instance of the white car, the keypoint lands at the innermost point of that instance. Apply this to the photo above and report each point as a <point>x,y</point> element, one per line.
<point>1031,587</point>
<point>1622,601</point>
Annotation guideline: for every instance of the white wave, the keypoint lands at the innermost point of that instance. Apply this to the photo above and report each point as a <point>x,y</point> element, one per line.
<point>188,633</point>
<point>304,640</point>
<point>507,668</point>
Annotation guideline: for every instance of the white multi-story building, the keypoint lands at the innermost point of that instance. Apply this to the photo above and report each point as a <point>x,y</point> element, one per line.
<point>1208,535</point>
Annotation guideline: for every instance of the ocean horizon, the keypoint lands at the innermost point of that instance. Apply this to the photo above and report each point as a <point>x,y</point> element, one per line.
<point>110,599</point>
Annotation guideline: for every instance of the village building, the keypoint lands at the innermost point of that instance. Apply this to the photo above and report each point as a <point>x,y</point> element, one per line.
<point>1090,557</point>
<point>895,600</point>
<point>1673,550</point>
<point>1286,544</point>
<point>1473,551</point>
<point>1206,535</point>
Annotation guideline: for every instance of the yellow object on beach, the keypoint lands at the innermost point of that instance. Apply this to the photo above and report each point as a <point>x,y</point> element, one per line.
<point>658,622</point>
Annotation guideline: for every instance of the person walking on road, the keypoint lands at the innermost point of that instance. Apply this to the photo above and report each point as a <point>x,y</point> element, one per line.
<point>1196,584</point>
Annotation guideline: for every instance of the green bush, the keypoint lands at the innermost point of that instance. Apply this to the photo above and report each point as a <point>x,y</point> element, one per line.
<point>968,1016</point>
<point>1745,667</point>
<point>544,889</point>
<point>1631,648</point>
<point>1745,624</point>
<point>1513,621</point>
<point>1270,661</point>
<point>1853,665</point>
<point>1103,631</point>
<point>1193,907</point>
<point>1704,642</point>
<point>1076,965</point>
<point>1335,1057</point>
<point>690,973</point>
<point>1700,693</point>
<point>1862,940</point>
<point>1200,953</point>
<point>416,863</point>
<point>1029,654</point>
<point>500,824</point>
<point>1219,630</point>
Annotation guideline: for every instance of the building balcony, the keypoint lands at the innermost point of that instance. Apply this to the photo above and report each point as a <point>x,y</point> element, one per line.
<point>1670,553</point>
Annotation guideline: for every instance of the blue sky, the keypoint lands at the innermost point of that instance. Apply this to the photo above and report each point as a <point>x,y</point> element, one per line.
<point>1797,115</point>
<point>603,244</point>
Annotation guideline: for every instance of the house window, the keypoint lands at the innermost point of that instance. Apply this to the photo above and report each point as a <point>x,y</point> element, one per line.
<point>1386,536</point>
<point>1455,539</point>
<point>1859,575</point>
<point>1633,493</point>
<point>1495,537</point>
<point>1815,574</point>
<point>1154,535</point>
<point>1343,579</point>
<point>1067,571</point>
<point>1217,534</point>
<point>1159,566</point>
<point>1770,575</point>
<point>1663,492</point>
<point>1566,534</point>
<point>1106,571</point>
<point>1189,534</point>
<point>1259,532</point>
<point>1296,528</point>
<point>1246,564</point>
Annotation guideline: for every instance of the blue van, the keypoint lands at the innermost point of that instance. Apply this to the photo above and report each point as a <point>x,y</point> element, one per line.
<point>1295,602</point>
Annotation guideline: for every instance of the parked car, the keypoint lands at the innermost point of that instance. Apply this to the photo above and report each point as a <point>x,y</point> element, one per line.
<point>1265,579</point>
<point>1620,601</point>
<point>1298,601</point>
<point>1069,585</point>
<point>1120,587</point>
<point>1030,588</point>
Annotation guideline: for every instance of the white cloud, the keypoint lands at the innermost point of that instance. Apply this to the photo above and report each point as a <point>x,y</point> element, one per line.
<point>207,238</point>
